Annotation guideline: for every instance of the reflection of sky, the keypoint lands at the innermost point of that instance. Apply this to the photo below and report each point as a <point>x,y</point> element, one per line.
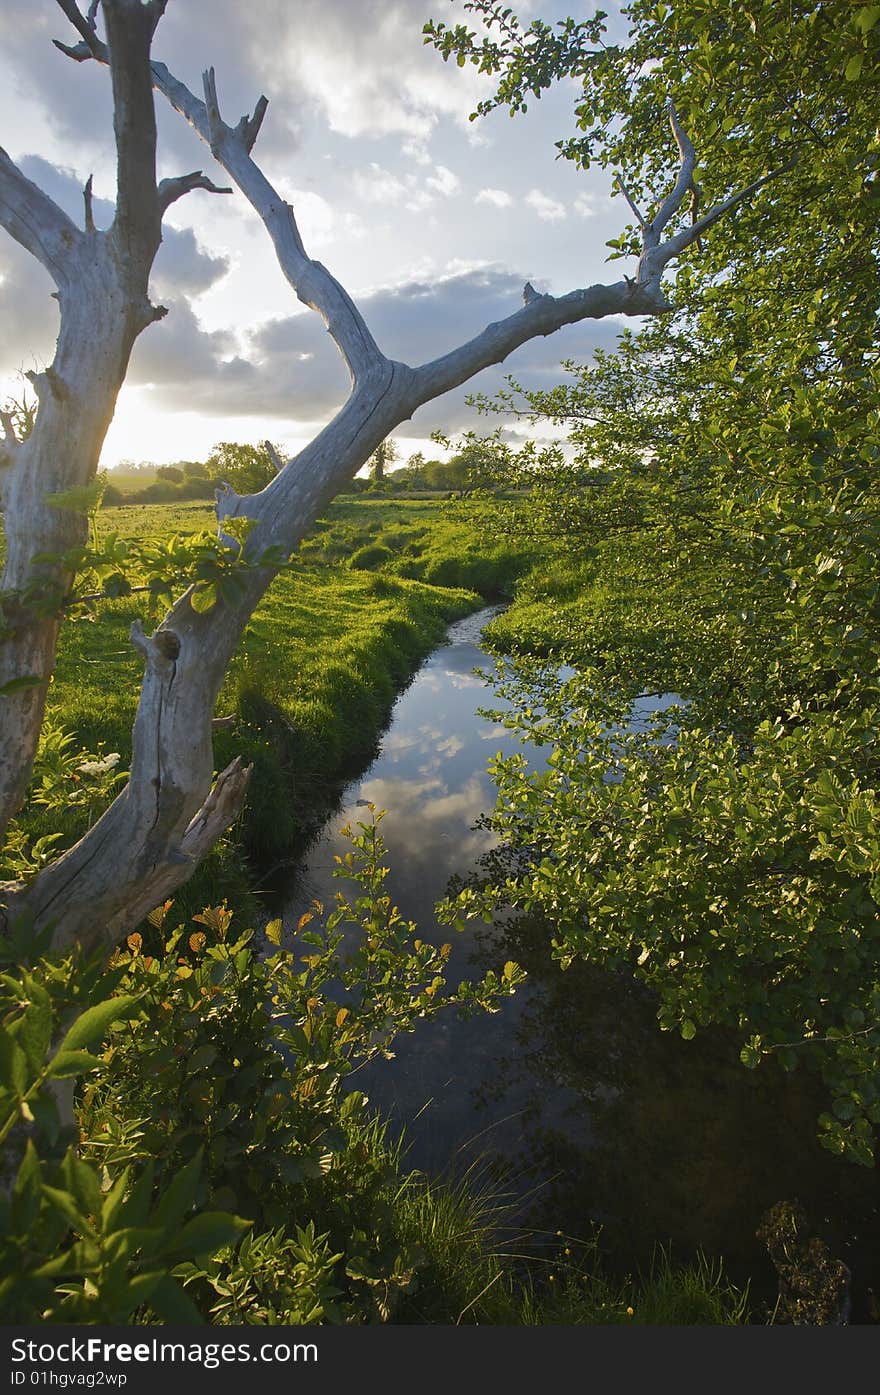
<point>431,779</point>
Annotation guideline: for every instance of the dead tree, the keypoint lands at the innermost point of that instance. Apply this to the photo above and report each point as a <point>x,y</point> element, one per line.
<point>172,811</point>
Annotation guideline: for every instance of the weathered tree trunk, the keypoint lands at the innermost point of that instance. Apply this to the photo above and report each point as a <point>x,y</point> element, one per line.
<point>169,815</point>
<point>101,280</point>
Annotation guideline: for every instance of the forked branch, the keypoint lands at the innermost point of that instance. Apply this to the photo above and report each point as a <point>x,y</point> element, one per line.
<point>684,181</point>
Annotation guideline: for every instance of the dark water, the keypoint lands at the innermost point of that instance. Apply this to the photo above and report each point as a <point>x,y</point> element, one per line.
<point>586,1113</point>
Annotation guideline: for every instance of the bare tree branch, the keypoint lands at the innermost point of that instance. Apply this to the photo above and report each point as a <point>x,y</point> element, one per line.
<point>85,27</point>
<point>541,315</point>
<point>172,189</point>
<point>137,224</point>
<point>220,809</point>
<point>312,282</point>
<point>87,200</point>
<point>657,258</point>
<point>231,147</point>
<point>682,186</point>
<point>36,221</point>
<point>633,209</point>
<point>690,234</point>
<point>274,456</point>
<point>641,295</point>
<point>249,126</point>
<point>8,448</point>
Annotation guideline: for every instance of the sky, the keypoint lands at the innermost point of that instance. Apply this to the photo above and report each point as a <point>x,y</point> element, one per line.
<point>432,223</point>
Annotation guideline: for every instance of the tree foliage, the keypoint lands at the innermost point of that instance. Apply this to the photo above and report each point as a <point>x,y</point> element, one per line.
<point>725,552</point>
<point>382,458</point>
<point>246,468</point>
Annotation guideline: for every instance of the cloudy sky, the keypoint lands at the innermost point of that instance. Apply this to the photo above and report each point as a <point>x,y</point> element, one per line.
<point>432,223</point>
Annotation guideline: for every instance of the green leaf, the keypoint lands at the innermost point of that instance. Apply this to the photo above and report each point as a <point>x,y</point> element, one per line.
<point>209,1232</point>
<point>83,1183</point>
<point>113,1201</point>
<point>203,598</point>
<point>92,1025</point>
<point>688,1029</point>
<point>204,1056</point>
<point>34,1034</point>
<point>854,67</point>
<point>16,685</point>
<point>85,498</point>
<point>866,18</point>
<point>64,1203</point>
<point>134,1210</point>
<point>172,1304</point>
<point>117,585</point>
<point>273,932</point>
<point>180,1197</point>
<point>13,1065</point>
<point>70,1063</point>
<point>26,1191</point>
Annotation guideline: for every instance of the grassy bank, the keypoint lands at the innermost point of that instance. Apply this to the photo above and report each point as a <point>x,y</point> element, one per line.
<point>313,682</point>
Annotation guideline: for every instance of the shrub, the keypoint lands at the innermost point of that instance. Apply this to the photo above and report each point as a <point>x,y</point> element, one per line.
<point>370,558</point>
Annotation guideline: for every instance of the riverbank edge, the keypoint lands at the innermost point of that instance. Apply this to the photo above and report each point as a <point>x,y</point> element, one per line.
<point>301,769</point>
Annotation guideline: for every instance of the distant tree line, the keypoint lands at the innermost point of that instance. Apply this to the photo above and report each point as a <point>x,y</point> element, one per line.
<point>247,468</point>
<point>479,464</point>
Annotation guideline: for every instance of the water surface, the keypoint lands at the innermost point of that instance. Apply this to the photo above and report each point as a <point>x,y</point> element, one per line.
<point>593,1115</point>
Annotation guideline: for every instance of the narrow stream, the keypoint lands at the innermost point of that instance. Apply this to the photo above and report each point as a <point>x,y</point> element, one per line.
<point>587,1113</point>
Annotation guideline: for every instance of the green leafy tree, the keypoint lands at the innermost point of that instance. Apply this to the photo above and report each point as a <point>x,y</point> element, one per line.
<point>414,468</point>
<point>246,468</point>
<point>382,459</point>
<point>731,859</point>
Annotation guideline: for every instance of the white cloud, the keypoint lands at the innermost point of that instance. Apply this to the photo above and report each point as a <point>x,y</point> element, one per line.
<point>378,185</point>
<point>549,209</point>
<point>589,205</point>
<point>443,180</point>
<point>419,201</point>
<point>361,85</point>
<point>417,150</point>
<point>314,215</point>
<point>499,197</point>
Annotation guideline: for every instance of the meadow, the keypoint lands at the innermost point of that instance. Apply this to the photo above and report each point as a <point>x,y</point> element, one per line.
<point>337,636</point>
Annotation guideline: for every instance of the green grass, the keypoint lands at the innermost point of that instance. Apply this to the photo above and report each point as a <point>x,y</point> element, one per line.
<point>419,540</point>
<point>314,679</point>
<point>478,1268</point>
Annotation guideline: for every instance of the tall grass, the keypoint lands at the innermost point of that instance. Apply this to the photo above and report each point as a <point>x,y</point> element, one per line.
<point>479,1267</point>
